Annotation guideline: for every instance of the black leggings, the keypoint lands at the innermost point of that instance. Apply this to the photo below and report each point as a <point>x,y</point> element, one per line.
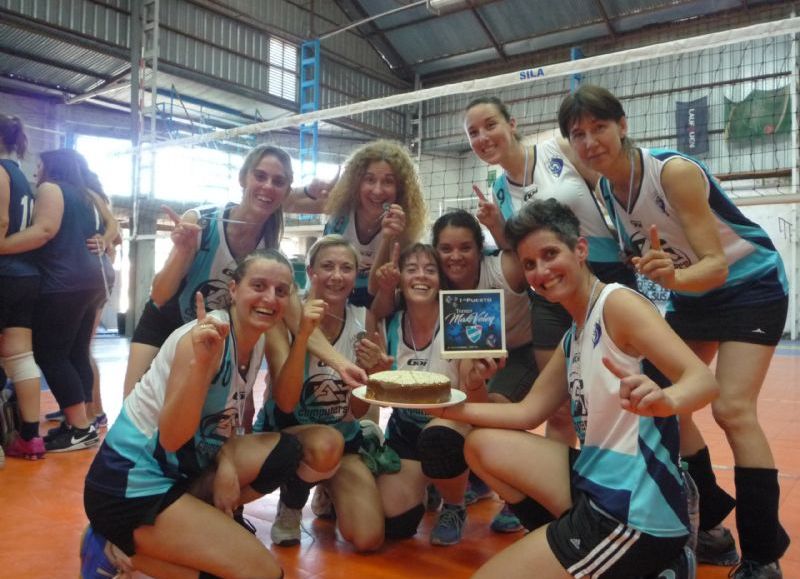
<point>62,334</point>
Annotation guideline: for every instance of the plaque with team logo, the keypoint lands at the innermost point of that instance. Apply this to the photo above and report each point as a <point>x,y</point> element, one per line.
<point>473,323</point>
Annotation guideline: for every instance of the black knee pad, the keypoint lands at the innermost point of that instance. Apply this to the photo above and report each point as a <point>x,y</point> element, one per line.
<point>404,525</point>
<point>281,464</point>
<point>441,452</point>
<point>531,514</point>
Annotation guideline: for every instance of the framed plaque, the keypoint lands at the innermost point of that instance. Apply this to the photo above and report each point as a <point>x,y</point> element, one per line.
<point>473,323</point>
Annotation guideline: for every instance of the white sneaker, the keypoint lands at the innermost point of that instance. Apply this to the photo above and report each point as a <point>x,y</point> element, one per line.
<point>285,531</point>
<point>321,503</point>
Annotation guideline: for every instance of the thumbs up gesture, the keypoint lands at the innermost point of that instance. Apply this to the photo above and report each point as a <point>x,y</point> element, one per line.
<point>639,394</point>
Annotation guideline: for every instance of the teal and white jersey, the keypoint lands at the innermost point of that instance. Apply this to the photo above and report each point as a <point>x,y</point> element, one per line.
<point>628,464</point>
<point>555,177</point>
<point>345,225</point>
<point>426,359</point>
<point>213,264</point>
<point>518,305</point>
<point>755,269</point>
<point>324,397</point>
<point>132,463</point>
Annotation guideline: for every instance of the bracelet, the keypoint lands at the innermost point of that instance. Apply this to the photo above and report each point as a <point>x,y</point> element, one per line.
<point>307,194</point>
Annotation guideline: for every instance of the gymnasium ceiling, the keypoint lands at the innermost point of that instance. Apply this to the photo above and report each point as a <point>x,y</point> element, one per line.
<point>466,38</point>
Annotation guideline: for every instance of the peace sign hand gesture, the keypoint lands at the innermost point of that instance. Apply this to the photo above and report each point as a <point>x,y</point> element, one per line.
<point>656,264</point>
<point>640,395</point>
<point>208,335</point>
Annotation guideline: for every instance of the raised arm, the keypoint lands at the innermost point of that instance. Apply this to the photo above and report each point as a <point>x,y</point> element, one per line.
<point>638,329</point>
<point>489,216</point>
<point>393,228</point>
<point>186,241</point>
<point>311,198</point>
<point>686,188</point>
<point>197,360</point>
<point>47,214</point>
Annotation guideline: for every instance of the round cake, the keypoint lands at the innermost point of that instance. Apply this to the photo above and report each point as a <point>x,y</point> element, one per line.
<point>408,387</point>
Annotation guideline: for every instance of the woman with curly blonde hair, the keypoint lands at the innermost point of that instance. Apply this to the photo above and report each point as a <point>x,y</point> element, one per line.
<point>376,202</point>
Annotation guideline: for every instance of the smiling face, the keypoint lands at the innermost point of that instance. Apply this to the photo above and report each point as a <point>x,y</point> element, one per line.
<point>265,186</point>
<point>378,186</point>
<point>491,136</point>
<point>460,256</point>
<point>598,142</point>
<point>419,278</point>
<point>333,274</point>
<point>262,295</point>
<point>551,267</point>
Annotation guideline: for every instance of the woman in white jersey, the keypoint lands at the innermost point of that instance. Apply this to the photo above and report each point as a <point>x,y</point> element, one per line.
<point>619,502</point>
<point>546,170</point>
<point>306,392</point>
<point>728,299</point>
<point>176,463</point>
<point>431,450</point>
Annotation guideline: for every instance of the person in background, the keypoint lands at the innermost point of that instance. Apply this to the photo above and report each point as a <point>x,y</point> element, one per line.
<point>729,299</point>
<point>619,504</point>
<point>431,450</point>
<point>73,284</point>
<point>162,490</point>
<point>19,287</point>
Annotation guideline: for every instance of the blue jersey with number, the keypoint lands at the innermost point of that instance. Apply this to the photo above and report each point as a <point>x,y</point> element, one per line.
<point>20,211</point>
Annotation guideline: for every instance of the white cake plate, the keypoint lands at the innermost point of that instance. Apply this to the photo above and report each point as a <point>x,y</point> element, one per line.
<point>456,397</point>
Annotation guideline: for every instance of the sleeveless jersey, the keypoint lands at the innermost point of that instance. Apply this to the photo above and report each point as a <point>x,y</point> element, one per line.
<point>755,269</point>
<point>131,463</point>
<point>555,177</point>
<point>518,313</point>
<point>345,225</point>
<point>20,215</point>
<point>628,464</point>
<point>66,265</point>
<point>324,398</point>
<point>211,268</point>
<point>428,359</point>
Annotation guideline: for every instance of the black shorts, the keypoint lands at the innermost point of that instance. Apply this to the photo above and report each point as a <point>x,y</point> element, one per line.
<point>514,380</point>
<point>402,438</point>
<point>753,324</point>
<point>586,540</point>
<point>116,518</point>
<point>549,322</point>
<point>17,299</point>
<point>156,324</point>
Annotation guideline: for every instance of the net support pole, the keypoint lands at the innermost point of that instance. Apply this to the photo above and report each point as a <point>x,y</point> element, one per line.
<point>793,266</point>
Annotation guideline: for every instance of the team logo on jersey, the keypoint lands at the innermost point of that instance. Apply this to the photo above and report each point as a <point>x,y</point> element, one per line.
<point>530,191</point>
<point>636,223</point>
<point>556,165</point>
<point>596,333</point>
<point>215,295</point>
<point>417,362</point>
<point>474,333</point>
<point>662,205</point>
<point>641,242</point>
<point>324,399</point>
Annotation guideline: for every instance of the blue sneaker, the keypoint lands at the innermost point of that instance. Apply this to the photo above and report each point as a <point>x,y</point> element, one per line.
<point>94,562</point>
<point>506,521</point>
<point>450,525</point>
<point>477,490</point>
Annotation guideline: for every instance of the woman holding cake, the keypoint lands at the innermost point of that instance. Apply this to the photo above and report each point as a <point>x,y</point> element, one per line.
<point>306,392</point>
<point>430,450</point>
<point>618,503</point>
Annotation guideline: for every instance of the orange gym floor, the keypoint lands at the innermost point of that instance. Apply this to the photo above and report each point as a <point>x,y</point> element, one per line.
<point>41,512</point>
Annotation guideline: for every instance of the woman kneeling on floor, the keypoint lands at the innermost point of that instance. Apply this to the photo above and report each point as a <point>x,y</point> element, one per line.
<point>176,464</point>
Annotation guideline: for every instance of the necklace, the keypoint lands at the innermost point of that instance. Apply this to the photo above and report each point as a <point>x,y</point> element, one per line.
<point>414,343</point>
<point>239,378</point>
<point>589,305</point>
<point>362,331</point>
<point>631,155</point>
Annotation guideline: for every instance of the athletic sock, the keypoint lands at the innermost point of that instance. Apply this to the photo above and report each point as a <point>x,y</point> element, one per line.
<point>761,536</point>
<point>29,430</point>
<point>715,503</point>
